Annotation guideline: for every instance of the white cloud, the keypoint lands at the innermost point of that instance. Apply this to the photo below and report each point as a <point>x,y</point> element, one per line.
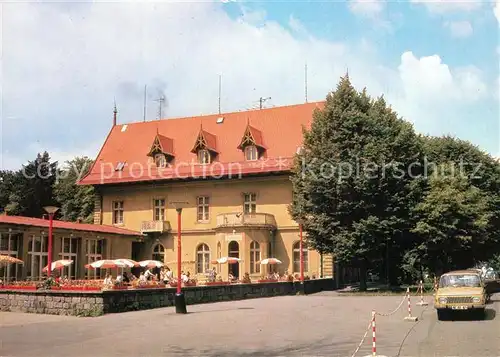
<point>367,8</point>
<point>58,84</point>
<point>459,29</point>
<point>296,25</point>
<point>447,6</point>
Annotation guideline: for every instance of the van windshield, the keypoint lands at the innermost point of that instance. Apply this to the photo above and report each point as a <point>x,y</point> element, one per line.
<point>460,280</point>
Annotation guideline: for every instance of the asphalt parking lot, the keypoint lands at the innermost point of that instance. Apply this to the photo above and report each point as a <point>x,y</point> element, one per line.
<point>324,324</point>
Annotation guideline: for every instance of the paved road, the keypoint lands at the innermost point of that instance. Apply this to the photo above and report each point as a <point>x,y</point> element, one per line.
<point>324,324</point>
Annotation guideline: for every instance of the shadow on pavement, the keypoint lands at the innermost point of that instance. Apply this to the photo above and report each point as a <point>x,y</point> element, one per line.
<point>219,310</point>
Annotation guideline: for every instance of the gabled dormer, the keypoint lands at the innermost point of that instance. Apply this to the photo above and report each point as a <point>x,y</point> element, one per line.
<point>205,147</point>
<point>162,151</point>
<point>251,144</point>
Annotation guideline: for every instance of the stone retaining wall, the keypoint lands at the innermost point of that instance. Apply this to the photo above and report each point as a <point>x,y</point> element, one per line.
<point>82,303</point>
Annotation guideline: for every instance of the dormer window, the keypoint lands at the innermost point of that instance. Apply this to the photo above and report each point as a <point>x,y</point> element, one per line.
<point>160,160</point>
<point>251,153</point>
<point>251,144</point>
<point>204,156</point>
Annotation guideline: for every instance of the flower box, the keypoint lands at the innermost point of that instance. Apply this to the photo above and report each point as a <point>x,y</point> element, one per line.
<point>72,288</point>
<point>55,288</point>
<point>212,283</point>
<point>91,288</point>
<point>120,287</point>
<point>16,287</point>
<point>189,284</point>
<point>267,281</point>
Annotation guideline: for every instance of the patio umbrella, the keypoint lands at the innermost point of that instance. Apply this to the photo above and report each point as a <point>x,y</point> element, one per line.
<point>6,259</point>
<point>128,262</point>
<point>151,264</point>
<point>228,260</point>
<point>106,264</point>
<point>58,264</point>
<point>270,261</point>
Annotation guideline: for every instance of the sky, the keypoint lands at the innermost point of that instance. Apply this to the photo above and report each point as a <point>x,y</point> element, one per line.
<point>63,65</point>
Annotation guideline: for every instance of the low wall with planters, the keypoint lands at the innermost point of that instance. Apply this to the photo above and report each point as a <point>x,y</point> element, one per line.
<point>95,303</point>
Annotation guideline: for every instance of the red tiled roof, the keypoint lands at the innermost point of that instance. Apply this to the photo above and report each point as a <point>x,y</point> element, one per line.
<point>256,135</point>
<point>83,227</point>
<point>281,127</point>
<point>167,144</point>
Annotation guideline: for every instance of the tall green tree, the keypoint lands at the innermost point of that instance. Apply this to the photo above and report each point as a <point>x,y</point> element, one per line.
<point>77,202</point>
<point>7,178</point>
<point>352,181</point>
<point>31,187</point>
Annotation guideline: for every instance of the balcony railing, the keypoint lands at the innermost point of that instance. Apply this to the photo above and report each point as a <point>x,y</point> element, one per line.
<point>264,220</point>
<point>155,226</point>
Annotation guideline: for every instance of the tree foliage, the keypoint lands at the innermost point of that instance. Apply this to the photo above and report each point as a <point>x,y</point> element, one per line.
<point>353,180</point>
<point>77,202</point>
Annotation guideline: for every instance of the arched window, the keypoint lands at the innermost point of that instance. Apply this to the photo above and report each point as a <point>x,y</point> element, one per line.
<point>159,253</point>
<point>296,257</point>
<point>251,153</point>
<point>202,259</point>
<point>254,257</point>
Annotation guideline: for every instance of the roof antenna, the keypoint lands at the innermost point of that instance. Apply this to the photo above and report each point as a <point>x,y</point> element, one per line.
<point>145,91</point>
<point>220,88</point>
<point>262,100</point>
<point>115,111</point>
<point>160,105</point>
<point>305,81</point>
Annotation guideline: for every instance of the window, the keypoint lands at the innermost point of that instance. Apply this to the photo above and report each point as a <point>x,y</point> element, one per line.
<point>9,245</point>
<point>254,257</point>
<point>69,251</point>
<point>296,257</point>
<point>203,203</point>
<point>203,156</point>
<point>202,259</point>
<point>37,256</point>
<point>159,210</point>
<point>160,160</point>
<point>251,153</point>
<point>120,166</point>
<point>250,203</point>
<point>118,212</point>
<point>159,253</point>
<point>94,252</point>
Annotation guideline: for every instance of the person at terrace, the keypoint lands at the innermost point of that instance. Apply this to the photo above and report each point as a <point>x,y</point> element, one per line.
<point>108,280</point>
<point>168,274</point>
<point>119,279</point>
<point>185,277</point>
<point>149,274</point>
<point>126,279</point>
<point>211,275</point>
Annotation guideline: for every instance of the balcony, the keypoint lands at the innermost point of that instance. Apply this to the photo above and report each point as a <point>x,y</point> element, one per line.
<point>257,220</point>
<point>155,226</point>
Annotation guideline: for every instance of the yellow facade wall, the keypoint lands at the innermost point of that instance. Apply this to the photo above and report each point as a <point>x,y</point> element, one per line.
<point>273,195</point>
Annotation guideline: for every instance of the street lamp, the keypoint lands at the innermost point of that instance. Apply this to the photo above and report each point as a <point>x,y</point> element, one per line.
<point>180,301</point>
<point>51,210</point>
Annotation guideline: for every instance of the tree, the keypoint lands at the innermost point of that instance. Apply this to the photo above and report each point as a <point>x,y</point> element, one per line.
<point>31,187</point>
<point>6,186</point>
<point>352,181</point>
<point>77,202</point>
<point>453,221</point>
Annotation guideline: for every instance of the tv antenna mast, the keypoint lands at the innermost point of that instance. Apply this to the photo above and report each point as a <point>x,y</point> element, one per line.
<point>160,101</point>
<point>262,101</point>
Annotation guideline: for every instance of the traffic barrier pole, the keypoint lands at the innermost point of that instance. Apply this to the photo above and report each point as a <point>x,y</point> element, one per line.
<point>374,338</point>
<point>409,317</point>
<point>422,302</point>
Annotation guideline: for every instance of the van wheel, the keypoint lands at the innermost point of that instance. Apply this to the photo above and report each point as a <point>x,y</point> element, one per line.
<point>442,315</point>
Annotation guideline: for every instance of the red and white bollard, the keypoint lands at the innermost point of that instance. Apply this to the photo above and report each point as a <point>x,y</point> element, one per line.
<point>374,338</point>
<point>422,302</point>
<point>409,317</point>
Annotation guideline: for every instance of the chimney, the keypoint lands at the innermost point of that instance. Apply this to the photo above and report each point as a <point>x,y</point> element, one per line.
<point>115,111</point>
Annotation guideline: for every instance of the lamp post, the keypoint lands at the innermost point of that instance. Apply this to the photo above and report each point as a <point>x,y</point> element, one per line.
<point>51,210</point>
<point>180,301</point>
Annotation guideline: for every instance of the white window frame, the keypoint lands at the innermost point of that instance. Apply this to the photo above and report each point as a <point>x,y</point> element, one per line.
<point>118,212</point>
<point>10,271</point>
<point>43,256</point>
<point>71,270</point>
<point>160,160</point>
<point>296,254</point>
<point>251,153</point>
<point>203,209</point>
<point>204,157</point>
<point>159,209</point>
<point>202,258</point>
<point>249,203</point>
<point>254,257</point>
<point>93,255</point>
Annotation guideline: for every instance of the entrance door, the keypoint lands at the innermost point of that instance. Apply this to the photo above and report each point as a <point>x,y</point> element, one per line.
<point>234,251</point>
